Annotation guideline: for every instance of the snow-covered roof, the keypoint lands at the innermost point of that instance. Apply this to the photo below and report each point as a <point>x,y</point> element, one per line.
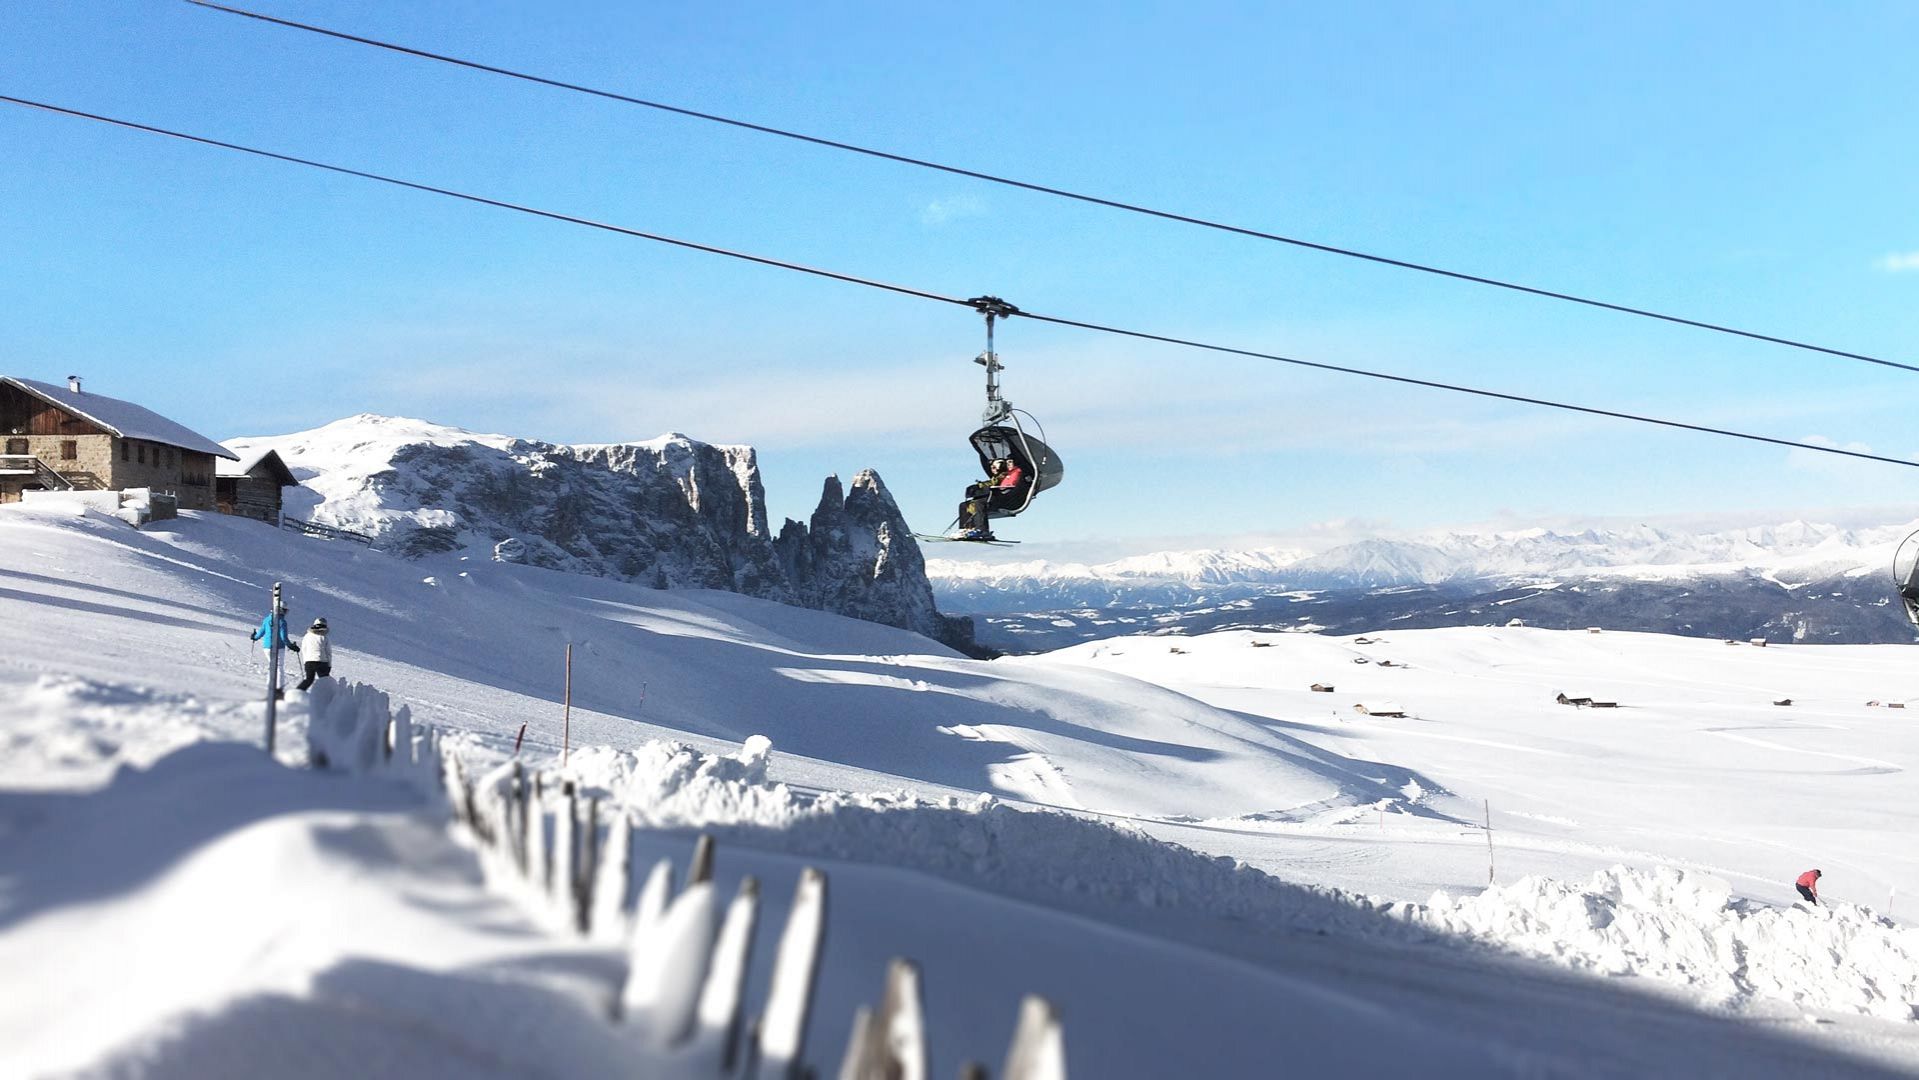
<point>122,418</point>
<point>241,467</point>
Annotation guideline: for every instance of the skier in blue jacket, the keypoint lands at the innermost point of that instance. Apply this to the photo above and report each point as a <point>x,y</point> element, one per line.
<point>265,631</point>
<point>270,627</point>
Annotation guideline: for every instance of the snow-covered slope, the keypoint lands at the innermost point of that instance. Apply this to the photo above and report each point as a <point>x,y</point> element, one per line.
<point>119,646</point>
<point>671,511</point>
<point>479,644</point>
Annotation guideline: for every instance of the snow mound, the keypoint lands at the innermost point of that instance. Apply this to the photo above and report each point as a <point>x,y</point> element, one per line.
<point>1687,928</point>
<point>60,731</point>
<point>1061,859</point>
<point>1667,924</point>
<point>672,784</point>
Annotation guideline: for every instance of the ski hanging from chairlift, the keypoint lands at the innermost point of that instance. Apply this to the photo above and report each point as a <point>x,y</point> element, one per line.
<point>1017,462</point>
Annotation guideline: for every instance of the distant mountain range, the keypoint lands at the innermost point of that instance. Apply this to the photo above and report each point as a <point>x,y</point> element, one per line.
<point>1797,581</point>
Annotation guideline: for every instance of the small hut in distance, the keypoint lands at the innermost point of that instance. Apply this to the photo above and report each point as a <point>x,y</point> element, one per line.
<point>251,488</point>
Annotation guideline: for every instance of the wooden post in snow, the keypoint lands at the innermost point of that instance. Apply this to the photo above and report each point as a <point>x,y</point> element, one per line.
<point>272,643</point>
<point>1489,843</point>
<point>589,871</point>
<point>566,713</point>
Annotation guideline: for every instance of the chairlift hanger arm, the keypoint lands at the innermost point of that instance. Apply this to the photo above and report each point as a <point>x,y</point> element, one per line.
<point>997,408</point>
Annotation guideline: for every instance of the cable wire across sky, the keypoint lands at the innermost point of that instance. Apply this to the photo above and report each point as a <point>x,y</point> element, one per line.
<point>1043,189</point>
<point>927,294</point>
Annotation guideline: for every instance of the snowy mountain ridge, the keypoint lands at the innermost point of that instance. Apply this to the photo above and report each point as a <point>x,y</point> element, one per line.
<point>1801,580</point>
<point>666,512</point>
<point>1793,550</point>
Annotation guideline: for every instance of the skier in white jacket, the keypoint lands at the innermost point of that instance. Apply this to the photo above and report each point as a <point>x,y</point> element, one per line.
<point>316,653</point>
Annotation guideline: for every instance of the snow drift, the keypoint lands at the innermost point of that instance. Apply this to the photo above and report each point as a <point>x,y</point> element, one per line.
<point>1667,924</point>
<point>1688,929</point>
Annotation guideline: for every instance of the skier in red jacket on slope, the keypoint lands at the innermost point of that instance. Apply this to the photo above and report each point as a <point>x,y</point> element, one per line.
<point>1808,885</point>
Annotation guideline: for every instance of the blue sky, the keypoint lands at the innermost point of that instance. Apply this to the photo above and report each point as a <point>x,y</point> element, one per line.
<point>1747,164</point>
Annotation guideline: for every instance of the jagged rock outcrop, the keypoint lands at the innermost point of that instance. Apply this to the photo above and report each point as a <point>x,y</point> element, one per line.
<point>677,511</point>
<point>670,513</point>
<point>857,557</point>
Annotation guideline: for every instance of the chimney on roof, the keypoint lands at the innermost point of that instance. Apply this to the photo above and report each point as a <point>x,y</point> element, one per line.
<point>73,383</point>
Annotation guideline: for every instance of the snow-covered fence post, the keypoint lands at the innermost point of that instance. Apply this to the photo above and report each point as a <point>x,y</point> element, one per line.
<point>459,789</point>
<point>538,869</point>
<point>588,872</point>
<point>682,996</point>
<point>685,985</point>
<point>667,968</point>
<point>320,709</point>
<point>378,726</point>
<point>429,761</point>
<point>1038,1051</point>
<point>613,881</point>
<point>781,1038</point>
<point>348,726</point>
<point>890,1044</point>
<point>400,738</point>
<point>501,801</point>
<point>702,868</point>
<point>566,854</point>
<point>516,818</point>
<point>716,1037</point>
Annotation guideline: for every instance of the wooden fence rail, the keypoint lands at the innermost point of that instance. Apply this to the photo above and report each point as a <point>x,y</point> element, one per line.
<point>314,528</point>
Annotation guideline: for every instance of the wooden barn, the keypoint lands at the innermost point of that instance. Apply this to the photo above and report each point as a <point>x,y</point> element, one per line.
<point>251,486</point>
<point>58,437</point>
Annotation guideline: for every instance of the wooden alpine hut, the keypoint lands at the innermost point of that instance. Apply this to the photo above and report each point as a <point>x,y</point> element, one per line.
<point>60,438</point>
<point>250,486</point>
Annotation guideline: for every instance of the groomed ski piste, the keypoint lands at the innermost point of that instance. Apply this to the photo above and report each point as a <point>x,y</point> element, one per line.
<point>1209,868</point>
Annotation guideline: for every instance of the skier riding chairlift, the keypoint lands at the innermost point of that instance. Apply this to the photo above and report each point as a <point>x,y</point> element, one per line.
<point>1018,465</point>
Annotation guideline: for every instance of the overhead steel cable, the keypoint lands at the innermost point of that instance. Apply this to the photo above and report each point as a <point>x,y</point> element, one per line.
<point>926,294</point>
<point>1044,189</point>
<point>483,200</point>
<point>1455,388</point>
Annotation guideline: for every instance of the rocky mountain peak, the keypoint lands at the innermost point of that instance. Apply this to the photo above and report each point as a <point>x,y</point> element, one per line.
<point>668,512</point>
<point>856,556</point>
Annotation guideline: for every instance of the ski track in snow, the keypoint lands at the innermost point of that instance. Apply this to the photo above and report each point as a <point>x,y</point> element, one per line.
<point>1732,733</point>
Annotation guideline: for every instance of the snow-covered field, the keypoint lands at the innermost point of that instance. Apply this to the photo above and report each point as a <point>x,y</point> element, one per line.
<point>1696,766</point>
<point>209,913</point>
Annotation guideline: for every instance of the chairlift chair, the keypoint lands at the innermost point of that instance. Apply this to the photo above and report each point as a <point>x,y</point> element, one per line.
<point>1905,576</point>
<point>1004,435</point>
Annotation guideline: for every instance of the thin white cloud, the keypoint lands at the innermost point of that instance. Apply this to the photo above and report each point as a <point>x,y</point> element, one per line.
<point>1899,262</point>
<point>1814,461</point>
<point>941,211</point>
